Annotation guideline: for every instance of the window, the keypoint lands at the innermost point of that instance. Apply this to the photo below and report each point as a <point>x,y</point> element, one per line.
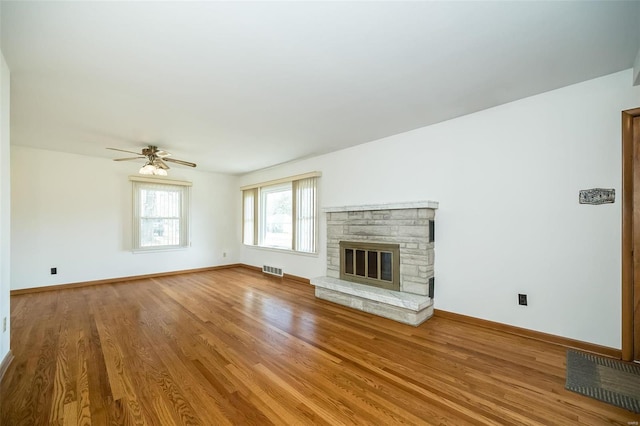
<point>281,214</point>
<point>160,213</point>
<point>276,220</point>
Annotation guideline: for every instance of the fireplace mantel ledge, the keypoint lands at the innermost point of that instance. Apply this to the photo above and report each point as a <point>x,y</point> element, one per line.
<point>410,301</point>
<point>385,206</point>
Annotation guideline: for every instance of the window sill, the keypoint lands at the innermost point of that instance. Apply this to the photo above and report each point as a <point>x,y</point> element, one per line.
<point>278,250</point>
<point>157,250</point>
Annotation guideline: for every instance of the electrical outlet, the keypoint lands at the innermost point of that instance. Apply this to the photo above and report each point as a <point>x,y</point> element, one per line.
<point>54,271</point>
<point>4,324</point>
<point>522,299</point>
<point>224,254</point>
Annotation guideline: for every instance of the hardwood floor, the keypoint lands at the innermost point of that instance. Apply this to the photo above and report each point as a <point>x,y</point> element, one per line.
<point>234,347</point>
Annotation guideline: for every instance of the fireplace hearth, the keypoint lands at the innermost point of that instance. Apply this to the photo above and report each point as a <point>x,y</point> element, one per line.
<point>380,259</point>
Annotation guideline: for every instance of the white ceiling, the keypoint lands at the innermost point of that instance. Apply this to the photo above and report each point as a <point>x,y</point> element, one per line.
<point>239,86</point>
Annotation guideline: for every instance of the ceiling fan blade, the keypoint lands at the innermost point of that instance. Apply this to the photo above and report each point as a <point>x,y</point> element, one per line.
<point>184,163</point>
<point>122,150</point>
<point>160,164</point>
<point>127,159</point>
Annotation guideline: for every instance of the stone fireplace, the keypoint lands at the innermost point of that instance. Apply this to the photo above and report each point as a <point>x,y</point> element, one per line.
<point>380,259</point>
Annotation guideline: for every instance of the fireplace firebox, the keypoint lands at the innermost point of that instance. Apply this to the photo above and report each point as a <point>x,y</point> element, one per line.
<point>375,264</point>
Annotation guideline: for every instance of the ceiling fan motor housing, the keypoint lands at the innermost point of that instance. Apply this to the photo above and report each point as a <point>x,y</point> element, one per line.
<point>150,150</point>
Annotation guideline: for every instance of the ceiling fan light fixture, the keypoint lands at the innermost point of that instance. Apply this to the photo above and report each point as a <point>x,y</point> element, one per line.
<point>160,172</point>
<point>147,169</point>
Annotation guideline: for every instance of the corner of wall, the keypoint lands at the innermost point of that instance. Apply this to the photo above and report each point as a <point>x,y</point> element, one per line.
<point>636,70</point>
<point>5,209</point>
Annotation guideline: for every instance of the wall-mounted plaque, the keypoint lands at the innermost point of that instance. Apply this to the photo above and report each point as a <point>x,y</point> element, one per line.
<point>597,196</point>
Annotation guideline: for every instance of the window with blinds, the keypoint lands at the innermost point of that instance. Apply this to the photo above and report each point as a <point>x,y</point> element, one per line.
<point>160,213</point>
<point>281,214</point>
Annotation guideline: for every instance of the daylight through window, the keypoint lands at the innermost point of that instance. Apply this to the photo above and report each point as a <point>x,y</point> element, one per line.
<point>160,214</point>
<point>281,214</point>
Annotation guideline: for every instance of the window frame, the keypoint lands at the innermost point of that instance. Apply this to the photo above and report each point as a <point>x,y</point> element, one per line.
<point>139,184</point>
<point>252,199</point>
<point>264,192</point>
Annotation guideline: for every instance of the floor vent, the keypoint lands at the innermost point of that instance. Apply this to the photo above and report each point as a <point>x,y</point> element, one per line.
<point>272,270</point>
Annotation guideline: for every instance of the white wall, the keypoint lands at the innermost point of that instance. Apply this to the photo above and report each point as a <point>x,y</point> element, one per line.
<point>5,208</point>
<point>509,221</point>
<point>74,213</point>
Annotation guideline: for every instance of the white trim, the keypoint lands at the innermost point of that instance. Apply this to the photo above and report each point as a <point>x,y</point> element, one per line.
<point>387,206</point>
<point>160,248</point>
<point>285,251</point>
<point>159,180</point>
<point>283,180</point>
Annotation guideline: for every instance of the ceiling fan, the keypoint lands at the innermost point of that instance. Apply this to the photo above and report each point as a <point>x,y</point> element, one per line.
<point>156,160</point>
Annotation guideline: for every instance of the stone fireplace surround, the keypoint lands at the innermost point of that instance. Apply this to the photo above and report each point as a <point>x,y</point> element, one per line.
<point>406,224</point>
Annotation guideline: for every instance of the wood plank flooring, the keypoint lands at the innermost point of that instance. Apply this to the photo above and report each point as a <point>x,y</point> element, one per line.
<point>232,347</point>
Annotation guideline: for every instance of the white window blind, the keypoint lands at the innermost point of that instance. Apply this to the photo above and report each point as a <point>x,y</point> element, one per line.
<point>249,207</point>
<point>305,208</point>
